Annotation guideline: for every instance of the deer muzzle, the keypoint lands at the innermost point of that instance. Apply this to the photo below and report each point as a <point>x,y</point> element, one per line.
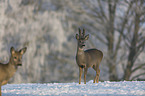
<point>83,45</point>
<point>20,64</point>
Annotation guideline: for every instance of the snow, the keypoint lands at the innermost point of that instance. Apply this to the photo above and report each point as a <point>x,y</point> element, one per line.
<point>107,88</point>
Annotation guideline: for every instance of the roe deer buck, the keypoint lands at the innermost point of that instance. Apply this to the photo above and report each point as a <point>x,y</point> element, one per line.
<point>87,58</point>
<point>8,70</point>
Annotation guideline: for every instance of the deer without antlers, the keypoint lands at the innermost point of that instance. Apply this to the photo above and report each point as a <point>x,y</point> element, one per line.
<point>87,58</point>
<point>8,70</point>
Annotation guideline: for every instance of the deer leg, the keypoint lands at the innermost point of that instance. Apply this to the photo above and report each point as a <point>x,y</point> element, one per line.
<point>96,68</point>
<point>98,74</point>
<point>4,82</point>
<point>80,74</point>
<point>85,73</point>
<point>95,78</point>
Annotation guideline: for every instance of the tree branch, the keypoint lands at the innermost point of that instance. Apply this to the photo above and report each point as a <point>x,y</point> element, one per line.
<point>142,44</point>
<point>102,11</point>
<point>137,76</point>
<point>138,67</point>
<point>99,38</point>
<point>125,20</point>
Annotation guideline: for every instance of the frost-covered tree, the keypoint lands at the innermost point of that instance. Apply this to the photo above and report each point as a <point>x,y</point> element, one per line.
<point>49,56</point>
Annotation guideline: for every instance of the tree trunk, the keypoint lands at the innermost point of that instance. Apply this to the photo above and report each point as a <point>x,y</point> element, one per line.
<point>133,49</point>
<point>112,59</point>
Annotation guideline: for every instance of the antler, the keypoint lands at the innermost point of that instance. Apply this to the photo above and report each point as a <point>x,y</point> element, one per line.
<point>80,33</point>
<point>83,32</point>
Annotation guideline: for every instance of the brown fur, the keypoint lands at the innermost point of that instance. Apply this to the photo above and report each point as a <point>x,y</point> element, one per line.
<point>8,70</point>
<point>87,58</point>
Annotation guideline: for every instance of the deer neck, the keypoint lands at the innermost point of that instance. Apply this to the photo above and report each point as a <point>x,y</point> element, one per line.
<point>80,52</point>
<point>12,64</point>
<point>80,57</point>
<point>11,68</point>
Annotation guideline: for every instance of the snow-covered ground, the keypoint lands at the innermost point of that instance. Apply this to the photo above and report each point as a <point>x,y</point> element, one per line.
<point>124,88</point>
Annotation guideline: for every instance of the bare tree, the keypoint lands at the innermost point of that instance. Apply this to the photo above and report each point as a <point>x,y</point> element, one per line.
<point>134,39</point>
<point>100,22</point>
<point>110,22</point>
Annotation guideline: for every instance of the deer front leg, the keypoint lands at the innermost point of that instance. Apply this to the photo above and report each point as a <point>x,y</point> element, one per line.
<point>80,74</point>
<point>4,82</point>
<point>85,73</point>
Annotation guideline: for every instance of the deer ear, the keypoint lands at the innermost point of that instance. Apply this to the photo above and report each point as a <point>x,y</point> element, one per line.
<point>12,50</point>
<point>77,36</point>
<point>87,37</point>
<point>23,50</point>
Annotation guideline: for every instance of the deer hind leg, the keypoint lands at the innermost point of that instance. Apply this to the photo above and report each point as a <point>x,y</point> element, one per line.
<point>96,68</point>
<point>80,74</point>
<point>85,73</point>
<point>97,74</point>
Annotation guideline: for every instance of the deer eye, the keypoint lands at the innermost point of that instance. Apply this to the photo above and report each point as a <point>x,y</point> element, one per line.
<point>15,57</point>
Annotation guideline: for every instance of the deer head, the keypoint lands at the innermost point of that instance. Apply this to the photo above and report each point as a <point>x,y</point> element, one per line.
<point>16,56</point>
<point>81,38</point>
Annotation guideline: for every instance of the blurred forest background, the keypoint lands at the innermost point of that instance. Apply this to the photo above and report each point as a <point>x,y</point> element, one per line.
<point>48,27</point>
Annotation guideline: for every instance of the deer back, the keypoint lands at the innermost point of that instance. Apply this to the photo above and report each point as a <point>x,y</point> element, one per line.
<point>93,57</point>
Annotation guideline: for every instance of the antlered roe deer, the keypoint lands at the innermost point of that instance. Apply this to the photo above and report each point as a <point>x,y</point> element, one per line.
<point>87,58</point>
<point>8,70</point>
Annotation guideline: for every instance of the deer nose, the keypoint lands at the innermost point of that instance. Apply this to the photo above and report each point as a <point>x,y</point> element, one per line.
<point>19,60</point>
<point>83,43</point>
